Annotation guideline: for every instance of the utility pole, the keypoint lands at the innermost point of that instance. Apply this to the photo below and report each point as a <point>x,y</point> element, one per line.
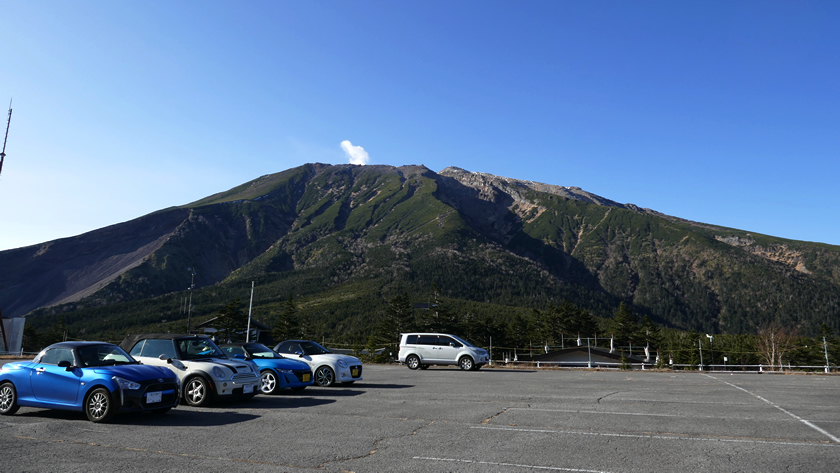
<point>189,307</point>
<point>250,306</point>
<point>8,122</point>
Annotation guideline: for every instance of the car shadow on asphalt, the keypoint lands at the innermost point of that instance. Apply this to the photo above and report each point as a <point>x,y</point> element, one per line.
<point>175,417</point>
<point>182,417</point>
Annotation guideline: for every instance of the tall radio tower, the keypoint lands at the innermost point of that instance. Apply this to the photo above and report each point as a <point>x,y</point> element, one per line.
<point>8,122</point>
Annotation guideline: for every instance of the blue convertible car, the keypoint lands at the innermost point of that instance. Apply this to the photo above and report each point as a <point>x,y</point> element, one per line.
<point>96,377</point>
<point>276,371</point>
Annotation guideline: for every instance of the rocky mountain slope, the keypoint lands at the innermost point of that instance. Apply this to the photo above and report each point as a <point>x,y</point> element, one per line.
<point>344,238</point>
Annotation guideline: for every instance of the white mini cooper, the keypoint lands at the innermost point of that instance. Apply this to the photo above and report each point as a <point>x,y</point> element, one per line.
<point>206,373</point>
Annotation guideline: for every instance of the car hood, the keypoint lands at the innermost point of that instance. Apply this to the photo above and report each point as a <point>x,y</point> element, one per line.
<point>334,358</point>
<point>281,363</point>
<point>207,364</point>
<point>136,372</point>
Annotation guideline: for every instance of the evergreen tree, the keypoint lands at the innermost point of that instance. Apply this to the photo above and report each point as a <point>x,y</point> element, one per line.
<point>230,322</point>
<point>286,326</point>
<point>400,316</point>
<point>649,332</point>
<point>624,325</point>
<point>440,317</point>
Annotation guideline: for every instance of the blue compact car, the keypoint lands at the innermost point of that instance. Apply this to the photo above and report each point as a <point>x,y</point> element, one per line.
<point>277,372</point>
<point>95,377</point>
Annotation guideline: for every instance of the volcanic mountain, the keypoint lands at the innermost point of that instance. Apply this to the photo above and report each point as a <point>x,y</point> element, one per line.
<point>342,239</point>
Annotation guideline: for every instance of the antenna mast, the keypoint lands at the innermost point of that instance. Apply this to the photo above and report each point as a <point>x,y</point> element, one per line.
<point>8,122</point>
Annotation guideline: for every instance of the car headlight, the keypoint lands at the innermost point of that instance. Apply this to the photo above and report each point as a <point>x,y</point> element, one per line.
<point>218,372</point>
<point>126,383</point>
<point>342,364</point>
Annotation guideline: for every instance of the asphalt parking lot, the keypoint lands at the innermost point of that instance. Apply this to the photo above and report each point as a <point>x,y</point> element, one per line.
<point>443,419</point>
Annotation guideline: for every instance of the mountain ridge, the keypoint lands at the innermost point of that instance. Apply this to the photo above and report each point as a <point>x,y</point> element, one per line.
<point>321,229</point>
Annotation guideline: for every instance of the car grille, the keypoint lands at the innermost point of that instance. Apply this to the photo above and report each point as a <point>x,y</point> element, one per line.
<point>301,374</point>
<point>242,376</point>
<point>356,371</point>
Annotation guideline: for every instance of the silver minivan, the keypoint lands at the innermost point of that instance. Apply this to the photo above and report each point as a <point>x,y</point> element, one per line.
<point>421,350</point>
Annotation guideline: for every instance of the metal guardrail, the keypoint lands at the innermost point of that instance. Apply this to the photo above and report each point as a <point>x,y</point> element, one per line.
<point>649,366</point>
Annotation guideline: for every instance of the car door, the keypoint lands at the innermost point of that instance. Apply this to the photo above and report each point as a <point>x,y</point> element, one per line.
<point>427,347</point>
<point>54,383</point>
<point>447,349</point>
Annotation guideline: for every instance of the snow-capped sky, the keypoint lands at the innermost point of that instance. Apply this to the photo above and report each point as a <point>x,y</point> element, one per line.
<point>725,112</point>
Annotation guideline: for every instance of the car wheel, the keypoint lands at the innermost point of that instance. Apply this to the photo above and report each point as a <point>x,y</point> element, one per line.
<point>413,362</point>
<point>8,399</point>
<point>99,407</point>
<point>466,363</point>
<point>197,392</point>
<point>424,367</point>
<point>324,376</point>
<point>269,384</point>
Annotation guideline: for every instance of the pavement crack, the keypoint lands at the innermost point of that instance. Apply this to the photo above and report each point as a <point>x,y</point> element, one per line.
<point>375,447</point>
<point>489,419</point>
<point>602,397</point>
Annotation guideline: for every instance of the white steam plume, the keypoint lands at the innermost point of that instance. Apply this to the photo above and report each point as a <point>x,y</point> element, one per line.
<point>356,154</point>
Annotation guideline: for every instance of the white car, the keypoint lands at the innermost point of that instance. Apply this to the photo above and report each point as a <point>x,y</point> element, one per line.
<point>205,372</point>
<point>329,368</point>
<point>420,350</point>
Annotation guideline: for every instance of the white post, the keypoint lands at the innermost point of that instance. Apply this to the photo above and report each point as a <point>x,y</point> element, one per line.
<point>827,365</point>
<point>700,344</point>
<point>251,305</point>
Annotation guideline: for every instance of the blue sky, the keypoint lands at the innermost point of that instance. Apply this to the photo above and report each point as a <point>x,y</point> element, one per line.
<point>725,112</point>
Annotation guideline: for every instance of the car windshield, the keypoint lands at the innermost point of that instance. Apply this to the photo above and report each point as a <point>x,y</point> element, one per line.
<point>312,348</point>
<point>194,348</point>
<point>465,342</point>
<point>258,350</point>
<point>103,355</point>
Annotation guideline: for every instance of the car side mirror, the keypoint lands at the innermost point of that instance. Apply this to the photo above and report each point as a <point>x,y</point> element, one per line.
<point>65,364</point>
<point>240,356</point>
<point>165,358</point>
<point>299,353</point>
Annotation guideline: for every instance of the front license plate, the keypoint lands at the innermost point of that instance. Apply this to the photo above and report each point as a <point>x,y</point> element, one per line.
<point>307,377</point>
<point>248,388</point>
<point>153,397</point>
<point>354,373</point>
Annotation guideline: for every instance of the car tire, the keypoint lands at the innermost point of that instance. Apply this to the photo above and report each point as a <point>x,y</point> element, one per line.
<point>424,367</point>
<point>413,362</point>
<point>99,405</point>
<point>324,376</point>
<point>269,383</point>
<point>197,392</point>
<point>8,399</point>
<point>466,363</point>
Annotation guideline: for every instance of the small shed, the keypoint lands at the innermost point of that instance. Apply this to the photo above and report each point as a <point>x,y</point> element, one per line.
<point>260,332</point>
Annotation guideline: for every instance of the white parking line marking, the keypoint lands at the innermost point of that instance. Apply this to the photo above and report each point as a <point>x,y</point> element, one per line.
<point>809,424</point>
<point>516,465</point>
<point>666,437</point>
<point>572,411</point>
